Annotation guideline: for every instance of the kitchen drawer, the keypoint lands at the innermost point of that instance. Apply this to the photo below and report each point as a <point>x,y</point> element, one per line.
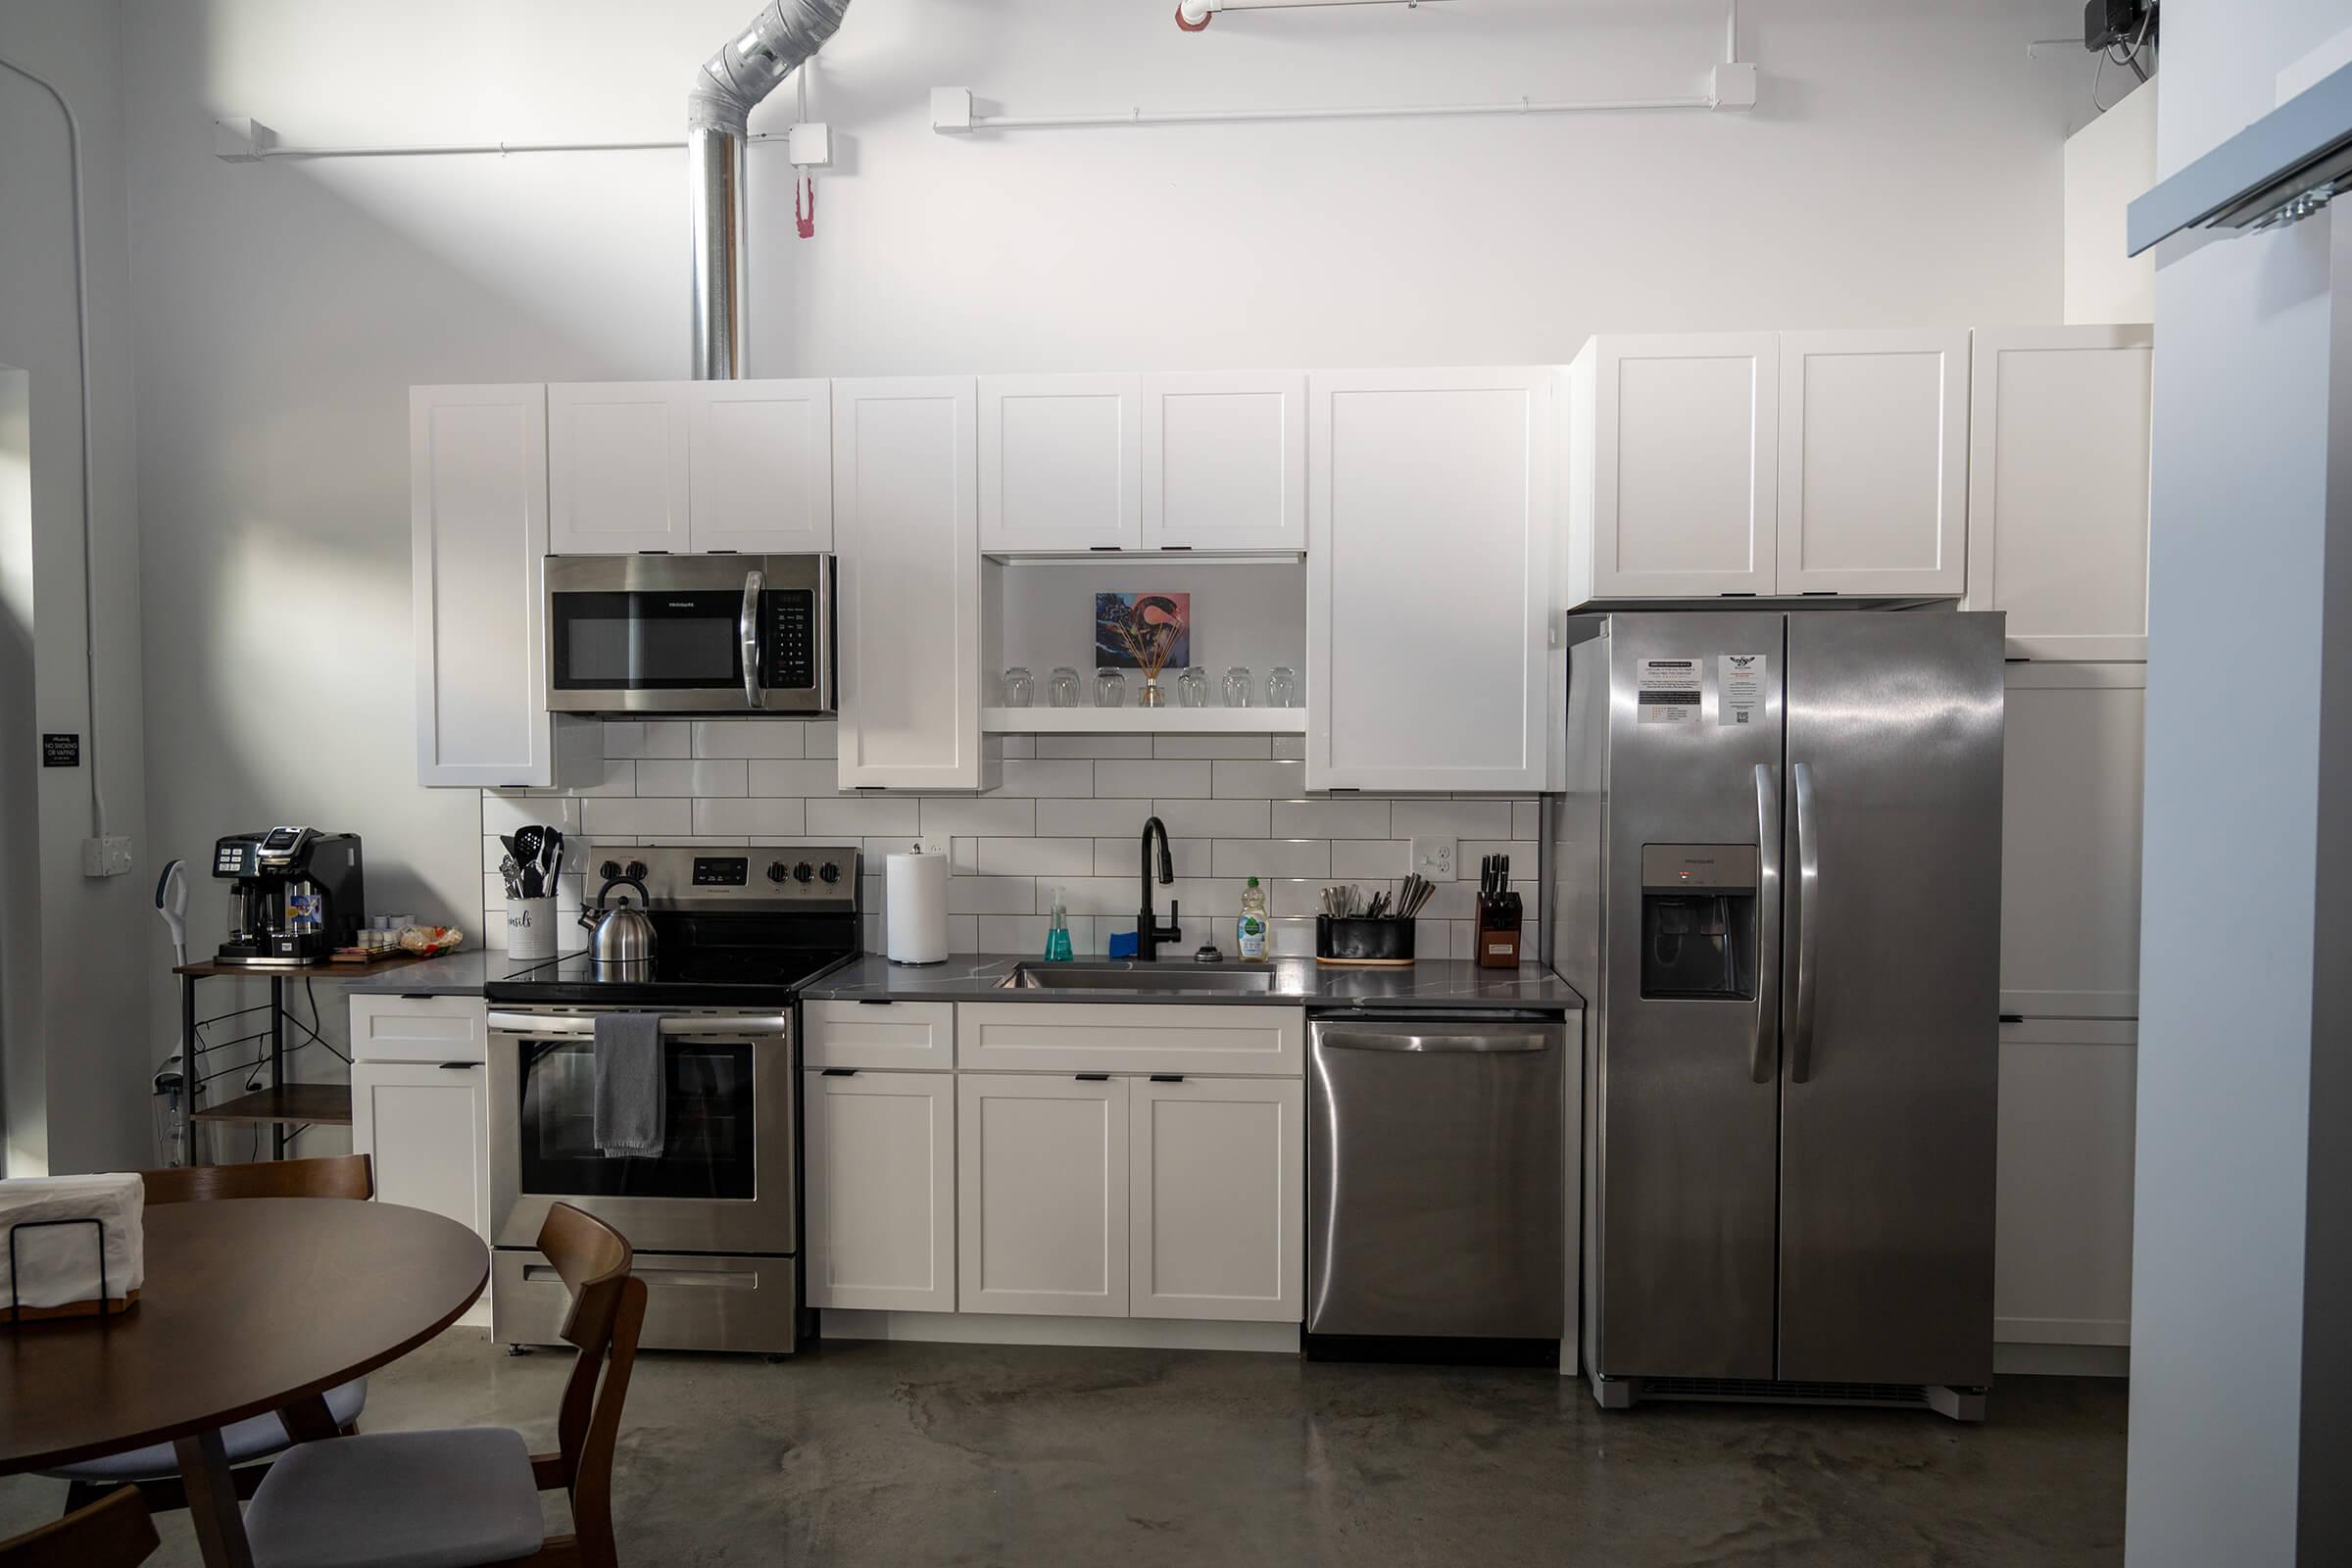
<point>434,1029</point>
<point>912,1036</point>
<point>1111,1036</point>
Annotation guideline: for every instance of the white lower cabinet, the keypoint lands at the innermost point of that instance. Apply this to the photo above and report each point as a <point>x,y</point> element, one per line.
<point>1042,1221</point>
<point>1216,1191</point>
<point>880,1168</point>
<point>2062,1250</point>
<point>420,1106</point>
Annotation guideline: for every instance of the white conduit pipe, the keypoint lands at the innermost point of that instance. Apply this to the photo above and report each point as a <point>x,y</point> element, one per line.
<point>484,148</point>
<point>81,324</point>
<point>1201,116</point>
<point>1193,15</point>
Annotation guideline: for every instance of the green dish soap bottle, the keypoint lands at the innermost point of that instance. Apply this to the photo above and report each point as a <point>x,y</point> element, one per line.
<point>1057,931</point>
<point>1252,933</point>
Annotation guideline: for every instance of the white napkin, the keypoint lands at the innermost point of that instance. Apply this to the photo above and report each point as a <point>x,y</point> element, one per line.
<point>58,1264</point>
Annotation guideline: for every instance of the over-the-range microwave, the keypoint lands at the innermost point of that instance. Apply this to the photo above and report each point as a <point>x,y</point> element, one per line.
<point>690,634</point>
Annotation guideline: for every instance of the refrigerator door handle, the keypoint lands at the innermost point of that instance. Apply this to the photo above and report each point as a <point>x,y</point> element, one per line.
<point>1808,881</point>
<point>1768,886</point>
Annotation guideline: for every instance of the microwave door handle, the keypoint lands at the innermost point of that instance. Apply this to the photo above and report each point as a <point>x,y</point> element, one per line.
<point>747,628</point>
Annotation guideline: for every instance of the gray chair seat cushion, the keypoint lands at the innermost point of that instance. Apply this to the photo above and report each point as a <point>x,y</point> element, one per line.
<point>398,1499</point>
<point>254,1438</point>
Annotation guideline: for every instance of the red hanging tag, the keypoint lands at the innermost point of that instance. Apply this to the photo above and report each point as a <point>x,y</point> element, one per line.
<point>806,224</point>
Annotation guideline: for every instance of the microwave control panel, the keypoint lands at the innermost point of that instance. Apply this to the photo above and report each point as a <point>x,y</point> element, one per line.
<point>790,642</point>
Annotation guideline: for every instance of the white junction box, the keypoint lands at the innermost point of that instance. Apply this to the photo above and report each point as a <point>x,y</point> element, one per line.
<point>106,856</point>
<point>810,145</point>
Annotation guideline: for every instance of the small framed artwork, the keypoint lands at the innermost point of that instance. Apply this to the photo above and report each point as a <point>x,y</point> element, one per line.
<point>1149,632</point>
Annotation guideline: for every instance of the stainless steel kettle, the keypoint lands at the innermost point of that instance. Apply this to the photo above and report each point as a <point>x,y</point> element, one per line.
<point>620,942</point>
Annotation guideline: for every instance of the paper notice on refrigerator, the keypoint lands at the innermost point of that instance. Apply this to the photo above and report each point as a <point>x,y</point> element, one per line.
<point>1739,682</point>
<point>1669,691</point>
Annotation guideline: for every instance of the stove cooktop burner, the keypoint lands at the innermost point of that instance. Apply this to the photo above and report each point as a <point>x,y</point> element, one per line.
<point>724,977</point>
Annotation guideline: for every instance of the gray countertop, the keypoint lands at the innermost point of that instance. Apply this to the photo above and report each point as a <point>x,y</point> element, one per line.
<point>460,974</point>
<point>1432,983</point>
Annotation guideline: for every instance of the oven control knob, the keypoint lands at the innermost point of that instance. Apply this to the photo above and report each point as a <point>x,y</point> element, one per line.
<point>608,870</point>
<point>775,870</point>
<point>831,872</point>
<point>637,870</point>
<point>799,872</point>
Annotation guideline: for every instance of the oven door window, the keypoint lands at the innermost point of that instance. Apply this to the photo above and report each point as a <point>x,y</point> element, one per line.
<point>640,641</point>
<point>708,1139</point>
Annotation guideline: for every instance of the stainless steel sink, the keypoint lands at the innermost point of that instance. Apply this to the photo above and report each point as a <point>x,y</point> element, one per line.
<point>1181,975</point>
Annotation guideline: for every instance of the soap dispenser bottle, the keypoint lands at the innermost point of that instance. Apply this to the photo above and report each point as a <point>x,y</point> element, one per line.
<point>1057,931</point>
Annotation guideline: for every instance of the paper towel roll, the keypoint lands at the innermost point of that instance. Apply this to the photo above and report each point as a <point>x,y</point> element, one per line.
<point>915,908</point>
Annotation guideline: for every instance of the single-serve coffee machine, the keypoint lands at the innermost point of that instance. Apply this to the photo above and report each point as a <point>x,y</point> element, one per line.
<point>296,897</point>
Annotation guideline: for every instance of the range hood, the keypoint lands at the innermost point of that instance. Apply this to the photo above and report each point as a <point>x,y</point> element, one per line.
<point>2285,165</point>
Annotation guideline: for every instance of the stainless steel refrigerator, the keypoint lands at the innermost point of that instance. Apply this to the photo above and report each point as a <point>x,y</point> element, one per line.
<point>1776,877</point>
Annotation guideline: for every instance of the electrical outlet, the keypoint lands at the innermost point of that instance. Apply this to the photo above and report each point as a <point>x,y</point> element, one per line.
<point>932,844</point>
<point>106,856</point>
<point>1434,859</point>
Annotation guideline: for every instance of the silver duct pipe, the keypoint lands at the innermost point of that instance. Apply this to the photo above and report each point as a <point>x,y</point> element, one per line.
<point>718,110</point>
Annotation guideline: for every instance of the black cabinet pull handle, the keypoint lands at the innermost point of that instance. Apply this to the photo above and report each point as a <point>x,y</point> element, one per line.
<point>2012,1017</point>
<point>874,1002</point>
<point>458,1066</point>
<point>841,1072</point>
<point>1167,1077</point>
<point>1094,1077</point>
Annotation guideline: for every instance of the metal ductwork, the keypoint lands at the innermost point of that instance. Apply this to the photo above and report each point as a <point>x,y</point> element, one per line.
<point>717,122</point>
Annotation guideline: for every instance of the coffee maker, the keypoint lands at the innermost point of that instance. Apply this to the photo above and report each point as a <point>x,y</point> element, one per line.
<point>297,895</point>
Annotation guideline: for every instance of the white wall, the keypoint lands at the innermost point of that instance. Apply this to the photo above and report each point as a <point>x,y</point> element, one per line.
<point>89,1111</point>
<point>2243,328</point>
<point>1903,166</point>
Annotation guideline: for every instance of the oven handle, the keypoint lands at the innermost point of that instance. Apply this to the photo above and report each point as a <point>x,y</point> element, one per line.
<point>582,1026</point>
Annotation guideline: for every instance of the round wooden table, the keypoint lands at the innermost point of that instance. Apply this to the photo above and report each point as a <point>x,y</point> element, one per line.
<point>249,1304</point>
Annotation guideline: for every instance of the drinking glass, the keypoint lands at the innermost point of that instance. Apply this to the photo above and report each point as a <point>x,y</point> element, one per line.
<point>1061,687</point>
<point>1282,687</point>
<point>1019,687</point>
<point>1192,688</point>
<point>1237,686</point>
<point>1111,688</point>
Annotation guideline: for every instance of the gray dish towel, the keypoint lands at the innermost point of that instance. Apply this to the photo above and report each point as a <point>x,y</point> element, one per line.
<point>629,1098</point>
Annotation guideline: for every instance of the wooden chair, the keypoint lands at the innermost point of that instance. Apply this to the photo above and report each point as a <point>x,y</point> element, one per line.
<point>155,1469</point>
<point>114,1531</point>
<point>471,1496</point>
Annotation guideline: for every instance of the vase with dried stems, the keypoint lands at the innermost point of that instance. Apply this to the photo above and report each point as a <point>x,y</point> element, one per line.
<point>1151,638</point>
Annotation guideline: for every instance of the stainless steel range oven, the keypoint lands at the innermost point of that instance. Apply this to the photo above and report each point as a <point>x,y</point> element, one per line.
<point>714,1218</point>
<point>690,634</point>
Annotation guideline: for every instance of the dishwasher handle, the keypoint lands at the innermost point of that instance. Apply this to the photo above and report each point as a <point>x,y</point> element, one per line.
<point>1435,1040</point>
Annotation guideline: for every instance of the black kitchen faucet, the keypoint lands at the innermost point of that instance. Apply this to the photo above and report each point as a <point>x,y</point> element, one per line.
<point>1149,932</point>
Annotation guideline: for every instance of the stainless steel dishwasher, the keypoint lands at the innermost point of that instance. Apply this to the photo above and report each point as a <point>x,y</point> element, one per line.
<point>1435,1187</point>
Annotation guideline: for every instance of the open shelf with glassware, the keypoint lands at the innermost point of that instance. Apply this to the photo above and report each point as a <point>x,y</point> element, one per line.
<point>1244,617</point>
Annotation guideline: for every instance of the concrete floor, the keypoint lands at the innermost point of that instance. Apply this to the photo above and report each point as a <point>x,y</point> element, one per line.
<point>915,1454</point>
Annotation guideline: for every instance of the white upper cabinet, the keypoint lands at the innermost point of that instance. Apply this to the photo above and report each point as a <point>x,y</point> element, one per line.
<point>908,556</point>
<point>477,519</point>
<point>762,465</point>
<point>617,474</point>
<point>2058,489</point>
<point>1430,522</point>
<point>1060,462</point>
<point>1874,464</point>
<point>1673,457</point>
<point>1225,462</point>
<point>2071,840</point>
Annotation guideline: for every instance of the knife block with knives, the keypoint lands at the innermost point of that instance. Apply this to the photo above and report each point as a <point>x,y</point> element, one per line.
<point>1499,914</point>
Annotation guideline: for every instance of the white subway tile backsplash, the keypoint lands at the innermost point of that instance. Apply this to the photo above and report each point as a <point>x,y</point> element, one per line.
<point>1245,747</point>
<point>1331,819</point>
<point>1461,820</point>
<point>1037,856</point>
<point>724,776</point>
<point>646,819</point>
<point>992,895</point>
<point>750,815</point>
<point>1127,747</point>
<point>783,776</point>
<point>612,778</point>
<point>1042,777</point>
<point>1152,780</point>
<point>1266,858</point>
<point>985,817</point>
<point>1213,819</point>
<point>749,737</point>
<point>638,738</point>
<point>1066,817</point>
<point>859,815</point>
<point>1259,781</point>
